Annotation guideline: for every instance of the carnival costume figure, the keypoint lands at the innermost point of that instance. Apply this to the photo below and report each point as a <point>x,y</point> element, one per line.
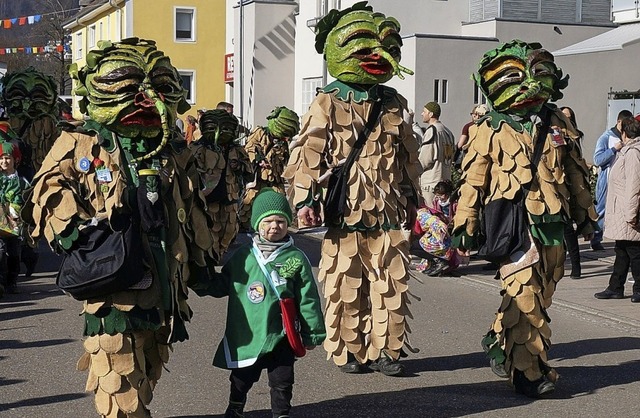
<point>127,173</point>
<point>224,168</point>
<point>519,79</point>
<point>31,101</point>
<point>364,253</point>
<point>268,149</point>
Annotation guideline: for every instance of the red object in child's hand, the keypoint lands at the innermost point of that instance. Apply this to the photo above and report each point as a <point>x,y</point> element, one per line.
<point>291,325</point>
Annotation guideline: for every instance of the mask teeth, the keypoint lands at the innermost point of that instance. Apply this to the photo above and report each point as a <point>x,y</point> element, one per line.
<point>166,132</point>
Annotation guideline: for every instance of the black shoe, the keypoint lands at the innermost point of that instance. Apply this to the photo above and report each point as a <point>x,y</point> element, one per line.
<point>609,294</point>
<point>635,298</point>
<point>232,413</point>
<point>597,247</point>
<point>353,367</point>
<point>387,366</point>
<point>439,266</point>
<point>535,389</point>
<point>576,273</point>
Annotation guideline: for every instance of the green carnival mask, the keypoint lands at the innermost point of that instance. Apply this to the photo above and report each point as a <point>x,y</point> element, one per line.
<point>29,94</point>
<point>131,88</point>
<point>218,127</point>
<point>283,123</point>
<point>519,78</point>
<point>360,46</point>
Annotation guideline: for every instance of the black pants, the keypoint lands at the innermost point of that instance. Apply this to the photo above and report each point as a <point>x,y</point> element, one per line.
<point>627,256</point>
<point>279,365</point>
<point>9,261</point>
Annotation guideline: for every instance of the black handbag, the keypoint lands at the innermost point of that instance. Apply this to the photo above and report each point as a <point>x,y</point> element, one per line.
<point>505,225</point>
<point>335,200</point>
<point>102,261</point>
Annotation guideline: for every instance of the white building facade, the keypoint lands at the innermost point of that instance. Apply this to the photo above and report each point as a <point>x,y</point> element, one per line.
<point>444,41</point>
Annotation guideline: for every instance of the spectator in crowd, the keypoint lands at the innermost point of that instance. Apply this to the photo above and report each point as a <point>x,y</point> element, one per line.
<point>433,229</point>
<point>225,106</point>
<point>436,151</point>
<point>570,235</point>
<point>12,187</point>
<point>621,215</point>
<point>607,147</point>
<point>192,126</point>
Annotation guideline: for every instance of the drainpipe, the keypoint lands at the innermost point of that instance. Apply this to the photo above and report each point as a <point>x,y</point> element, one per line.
<point>241,75</point>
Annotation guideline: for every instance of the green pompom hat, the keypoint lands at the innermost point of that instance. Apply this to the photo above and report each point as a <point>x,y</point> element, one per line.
<point>267,203</point>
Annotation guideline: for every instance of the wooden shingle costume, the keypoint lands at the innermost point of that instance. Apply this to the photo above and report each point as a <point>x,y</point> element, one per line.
<point>31,101</point>
<point>364,259</point>
<point>126,165</point>
<point>223,166</point>
<point>519,79</point>
<point>268,149</point>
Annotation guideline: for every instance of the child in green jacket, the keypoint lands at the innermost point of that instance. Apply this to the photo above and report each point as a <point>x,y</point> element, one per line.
<point>252,279</point>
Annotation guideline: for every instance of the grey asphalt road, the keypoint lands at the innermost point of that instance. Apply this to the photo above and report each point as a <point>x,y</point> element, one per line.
<point>597,357</point>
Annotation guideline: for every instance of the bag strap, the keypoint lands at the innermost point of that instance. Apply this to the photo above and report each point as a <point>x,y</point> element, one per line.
<point>264,269</point>
<point>541,137</point>
<point>374,114</point>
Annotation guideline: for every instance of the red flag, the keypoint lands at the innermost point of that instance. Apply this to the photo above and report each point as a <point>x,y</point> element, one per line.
<point>59,48</point>
<point>22,21</point>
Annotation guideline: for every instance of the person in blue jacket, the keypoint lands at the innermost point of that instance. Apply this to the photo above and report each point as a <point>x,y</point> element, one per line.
<point>255,277</point>
<point>604,155</point>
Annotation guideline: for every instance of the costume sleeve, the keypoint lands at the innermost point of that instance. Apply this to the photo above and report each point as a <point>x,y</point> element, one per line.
<point>306,293</point>
<point>307,160</point>
<point>476,168</point>
<point>603,156</point>
<point>428,149</point>
<point>408,157</point>
<point>632,186</point>
<point>255,145</point>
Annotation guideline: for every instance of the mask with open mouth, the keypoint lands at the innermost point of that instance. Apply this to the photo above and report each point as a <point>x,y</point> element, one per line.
<point>360,46</point>
<point>519,78</point>
<point>131,88</point>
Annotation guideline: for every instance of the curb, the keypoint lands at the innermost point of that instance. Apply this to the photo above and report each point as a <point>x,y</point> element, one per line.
<point>571,306</point>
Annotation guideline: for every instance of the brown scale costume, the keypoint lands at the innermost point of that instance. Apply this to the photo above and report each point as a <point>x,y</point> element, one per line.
<point>364,264</point>
<point>227,163</point>
<point>268,150</point>
<point>128,333</point>
<point>497,165</point>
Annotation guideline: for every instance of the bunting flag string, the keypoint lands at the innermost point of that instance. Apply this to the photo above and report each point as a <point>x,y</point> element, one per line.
<point>20,21</point>
<point>8,23</point>
<point>32,49</point>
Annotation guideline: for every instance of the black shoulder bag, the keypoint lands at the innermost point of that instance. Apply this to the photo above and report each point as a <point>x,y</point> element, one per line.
<point>504,222</point>
<point>336,198</point>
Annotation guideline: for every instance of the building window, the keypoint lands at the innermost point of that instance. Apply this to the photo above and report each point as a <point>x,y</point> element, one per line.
<point>78,46</point>
<point>309,88</point>
<point>185,24</point>
<point>100,32</point>
<point>440,91</point>
<point>91,37</point>
<point>444,91</point>
<point>118,34</point>
<point>189,84</point>
<point>478,97</point>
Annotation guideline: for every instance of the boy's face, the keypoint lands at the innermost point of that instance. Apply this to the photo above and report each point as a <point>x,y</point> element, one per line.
<point>273,228</point>
<point>7,163</point>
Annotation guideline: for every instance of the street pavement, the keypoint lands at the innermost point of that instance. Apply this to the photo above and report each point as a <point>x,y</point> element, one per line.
<point>596,349</point>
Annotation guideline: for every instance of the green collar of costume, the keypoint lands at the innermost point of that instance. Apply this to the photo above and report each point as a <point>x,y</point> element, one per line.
<point>357,93</point>
<point>106,136</point>
<point>496,119</point>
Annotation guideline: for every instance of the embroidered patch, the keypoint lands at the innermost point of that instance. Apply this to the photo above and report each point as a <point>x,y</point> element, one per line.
<point>84,164</point>
<point>255,293</point>
<point>557,139</point>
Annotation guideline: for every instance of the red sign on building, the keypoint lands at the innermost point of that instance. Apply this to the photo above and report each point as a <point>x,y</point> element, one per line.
<point>228,68</point>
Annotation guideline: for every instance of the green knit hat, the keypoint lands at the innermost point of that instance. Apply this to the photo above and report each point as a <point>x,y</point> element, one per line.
<point>434,108</point>
<point>267,203</point>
